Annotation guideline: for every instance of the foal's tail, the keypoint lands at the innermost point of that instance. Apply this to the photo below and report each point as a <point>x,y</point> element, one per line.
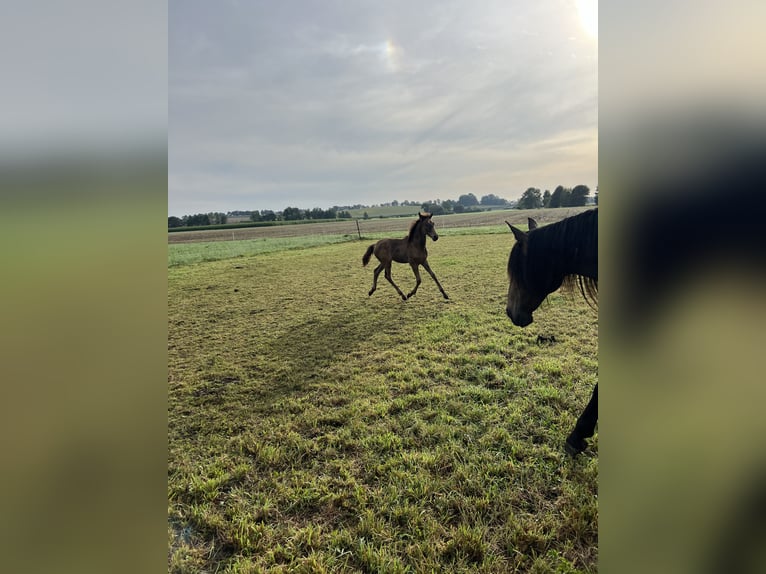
<point>366,258</point>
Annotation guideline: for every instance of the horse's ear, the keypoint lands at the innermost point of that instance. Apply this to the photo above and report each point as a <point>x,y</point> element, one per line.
<point>517,233</point>
<point>532,223</point>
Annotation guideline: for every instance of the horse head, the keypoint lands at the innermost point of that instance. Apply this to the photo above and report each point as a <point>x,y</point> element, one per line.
<point>522,299</point>
<point>428,225</point>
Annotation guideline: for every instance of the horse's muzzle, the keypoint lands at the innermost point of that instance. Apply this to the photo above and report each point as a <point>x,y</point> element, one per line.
<point>519,320</point>
<point>435,237</point>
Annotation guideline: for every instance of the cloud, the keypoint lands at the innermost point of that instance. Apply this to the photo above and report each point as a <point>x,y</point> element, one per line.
<point>315,105</point>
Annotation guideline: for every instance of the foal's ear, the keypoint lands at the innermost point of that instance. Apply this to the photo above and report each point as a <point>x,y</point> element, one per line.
<point>517,233</point>
<point>532,223</point>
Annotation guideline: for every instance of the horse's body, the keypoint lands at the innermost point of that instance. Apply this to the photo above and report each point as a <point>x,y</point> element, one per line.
<point>540,262</point>
<point>411,249</point>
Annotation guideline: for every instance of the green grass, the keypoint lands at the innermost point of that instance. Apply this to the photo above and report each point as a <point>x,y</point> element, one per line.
<point>189,253</point>
<point>315,429</point>
<point>207,251</point>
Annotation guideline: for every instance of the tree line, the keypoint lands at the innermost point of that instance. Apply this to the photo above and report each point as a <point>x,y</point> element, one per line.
<point>212,218</point>
<point>562,196</point>
<point>532,198</point>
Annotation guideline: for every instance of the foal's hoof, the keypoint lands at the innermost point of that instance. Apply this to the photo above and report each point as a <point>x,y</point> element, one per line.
<point>371,292</point>
<point>575,446</point>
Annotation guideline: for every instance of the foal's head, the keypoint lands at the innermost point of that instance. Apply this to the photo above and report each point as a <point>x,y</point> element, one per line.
<point>522,298</point>
<point>424,222</point>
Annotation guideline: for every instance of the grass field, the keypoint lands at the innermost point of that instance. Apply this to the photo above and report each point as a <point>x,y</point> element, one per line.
<point>315,429</point>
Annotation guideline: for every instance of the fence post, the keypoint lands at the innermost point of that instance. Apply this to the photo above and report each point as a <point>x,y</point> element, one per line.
<point>357,229</point>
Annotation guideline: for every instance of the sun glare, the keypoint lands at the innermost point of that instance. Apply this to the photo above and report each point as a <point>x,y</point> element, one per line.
<point>588,11</point>
<point>390,54</point>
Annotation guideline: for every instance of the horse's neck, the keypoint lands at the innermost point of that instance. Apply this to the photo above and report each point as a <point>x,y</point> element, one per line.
<point>581,260</point>
<point>568,253</point>
<point>584,257</point>
<point>417,237</point>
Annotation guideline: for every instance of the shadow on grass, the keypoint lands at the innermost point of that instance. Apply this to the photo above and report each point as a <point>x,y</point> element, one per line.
<point>307,352</point>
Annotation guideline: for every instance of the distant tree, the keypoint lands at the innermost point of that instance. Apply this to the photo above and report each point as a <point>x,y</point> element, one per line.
<point>198,219</point>
<point>344,214</point>
<point>316,213</point>
<point>292,214</point>
<point>268,215</point>
<point>467,200</point>
<point>174,221</point>
<point>366,215</point>
<point>448,205</point>
<point>216,218</point>
<point>492,199</point>
<point>546,198</point>
<point>579,195</point>
<point>256,216</point>
<point>433,208</point>
<point>458,208</point>
<point>561,197</point>
<point>530,199</point>
<point>394,203</point>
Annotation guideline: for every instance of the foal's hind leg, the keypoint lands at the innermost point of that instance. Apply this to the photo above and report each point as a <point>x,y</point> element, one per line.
<point>378,269</point>
<point>427,267</point>
<point>585,427</point>
<point>417,279</point>
<point>388,276</point>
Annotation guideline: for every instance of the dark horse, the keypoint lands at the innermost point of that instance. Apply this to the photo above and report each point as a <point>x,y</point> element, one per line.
<point>411,249</point>
<point>541,261</point>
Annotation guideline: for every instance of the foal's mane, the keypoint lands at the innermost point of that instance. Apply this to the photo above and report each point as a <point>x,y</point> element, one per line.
<point>414,225</point>
<point>550,247</point>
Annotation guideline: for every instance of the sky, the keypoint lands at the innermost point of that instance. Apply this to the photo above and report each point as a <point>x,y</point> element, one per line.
<point>315,104</point>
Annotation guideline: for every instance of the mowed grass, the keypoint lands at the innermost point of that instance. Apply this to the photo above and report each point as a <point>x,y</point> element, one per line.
<point>188,253</point>
<point>315,429</point>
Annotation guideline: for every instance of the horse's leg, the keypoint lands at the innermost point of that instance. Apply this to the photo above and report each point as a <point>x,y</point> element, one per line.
<point>378,269</point>
<point>585,427</point>
<point>417,278</point>
<point>431,273</point>
<point>388,276</point>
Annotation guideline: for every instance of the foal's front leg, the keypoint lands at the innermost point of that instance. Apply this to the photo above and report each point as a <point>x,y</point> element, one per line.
<point>427,267</point>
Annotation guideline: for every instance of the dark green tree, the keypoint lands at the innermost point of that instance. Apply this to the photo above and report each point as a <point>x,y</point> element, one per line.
<point>467,200</point>
<point>579,193</point>
<point>492,199</point>
<point>530,199</point>
<point>198,219</point>
<point>560,197</point>
<point>174,221</point>
<point>546,198</point>
<point>268,215</point>
<point>292,214</point>
<point>432,208</point>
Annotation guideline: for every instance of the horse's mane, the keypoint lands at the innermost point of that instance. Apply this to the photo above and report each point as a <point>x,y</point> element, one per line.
<point>551,247</point>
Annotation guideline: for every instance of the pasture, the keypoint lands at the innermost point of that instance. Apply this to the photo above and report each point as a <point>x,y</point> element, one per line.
<point>312,428</point>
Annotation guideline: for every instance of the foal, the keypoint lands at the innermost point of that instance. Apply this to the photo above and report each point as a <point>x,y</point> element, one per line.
<point>411,249</point>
